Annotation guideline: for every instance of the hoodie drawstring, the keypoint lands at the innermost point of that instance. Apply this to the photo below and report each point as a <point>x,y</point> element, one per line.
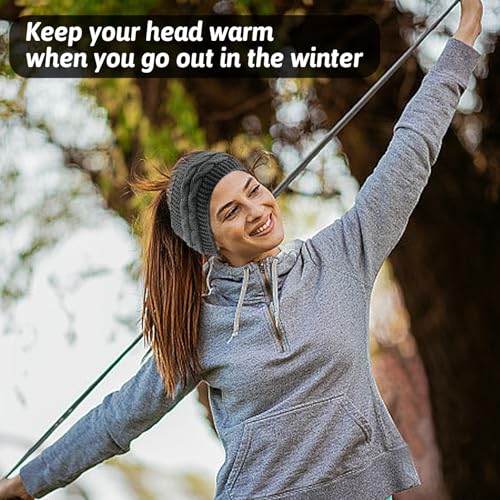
<point>236,323</point>
<point>243,291</point>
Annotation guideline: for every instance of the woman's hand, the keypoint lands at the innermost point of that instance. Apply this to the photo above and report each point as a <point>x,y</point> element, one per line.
<point>13,489</point>
<point>470,21</point>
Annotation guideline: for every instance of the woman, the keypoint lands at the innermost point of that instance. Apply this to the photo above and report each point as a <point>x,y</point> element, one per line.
<point>280,333</point>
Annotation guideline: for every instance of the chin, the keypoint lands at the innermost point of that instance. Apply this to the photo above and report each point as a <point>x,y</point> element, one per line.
<point>274,241</point>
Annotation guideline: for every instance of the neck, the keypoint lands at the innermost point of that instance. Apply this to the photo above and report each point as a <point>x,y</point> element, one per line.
<point>241,261</point>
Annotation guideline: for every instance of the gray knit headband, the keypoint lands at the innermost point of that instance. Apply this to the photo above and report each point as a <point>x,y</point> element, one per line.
<point>194,179</point>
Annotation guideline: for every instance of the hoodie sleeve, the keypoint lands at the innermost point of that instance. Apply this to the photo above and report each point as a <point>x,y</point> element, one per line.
<point>365,235</point>
<point>105,431</point>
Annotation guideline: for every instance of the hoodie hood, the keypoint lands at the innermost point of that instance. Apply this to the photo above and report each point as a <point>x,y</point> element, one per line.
<point>245,285</point>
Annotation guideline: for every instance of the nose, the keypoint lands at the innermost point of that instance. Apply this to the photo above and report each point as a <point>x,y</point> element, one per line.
<point>255,211</point>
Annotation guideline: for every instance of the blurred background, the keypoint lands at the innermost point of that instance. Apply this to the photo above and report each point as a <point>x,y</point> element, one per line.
<point>70,279</point>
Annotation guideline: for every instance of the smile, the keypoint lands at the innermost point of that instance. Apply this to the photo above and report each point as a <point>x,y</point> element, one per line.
<point>266,228</point>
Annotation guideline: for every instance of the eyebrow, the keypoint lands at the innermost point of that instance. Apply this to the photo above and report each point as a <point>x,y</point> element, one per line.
<point>221,209</point>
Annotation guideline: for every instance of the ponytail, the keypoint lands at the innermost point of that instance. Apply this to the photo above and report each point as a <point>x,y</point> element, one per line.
<point>173,288</point>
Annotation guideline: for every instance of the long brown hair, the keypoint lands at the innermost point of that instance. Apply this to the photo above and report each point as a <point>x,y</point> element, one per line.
<point>173,283</point>
<point>173,287</point>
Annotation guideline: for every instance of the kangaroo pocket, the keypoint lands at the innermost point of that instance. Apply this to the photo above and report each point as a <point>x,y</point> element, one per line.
<point>300,447</point>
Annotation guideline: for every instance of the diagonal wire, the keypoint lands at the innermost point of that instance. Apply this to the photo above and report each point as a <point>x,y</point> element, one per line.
<point>359,105</point>
<point>277,191</point>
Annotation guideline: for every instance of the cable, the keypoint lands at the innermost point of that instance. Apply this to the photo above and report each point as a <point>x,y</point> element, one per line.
<point>359,105</point>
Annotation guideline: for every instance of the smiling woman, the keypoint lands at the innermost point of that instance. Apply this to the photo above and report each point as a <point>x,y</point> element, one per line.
<point>245,219</point>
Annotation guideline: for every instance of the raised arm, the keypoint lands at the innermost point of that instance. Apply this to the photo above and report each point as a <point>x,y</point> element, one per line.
<point>363,237</point>
<point>105,431</point>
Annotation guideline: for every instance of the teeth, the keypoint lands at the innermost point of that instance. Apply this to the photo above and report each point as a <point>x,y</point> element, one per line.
<point>264,226</point>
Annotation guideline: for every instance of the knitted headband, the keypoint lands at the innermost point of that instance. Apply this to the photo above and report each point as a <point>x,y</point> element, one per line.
<point>194,179</point>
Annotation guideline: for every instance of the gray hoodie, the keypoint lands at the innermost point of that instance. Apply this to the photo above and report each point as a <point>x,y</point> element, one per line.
<point>284,345</point>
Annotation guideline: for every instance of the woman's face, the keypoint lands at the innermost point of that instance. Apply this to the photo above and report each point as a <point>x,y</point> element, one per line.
<point>245,219</point>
